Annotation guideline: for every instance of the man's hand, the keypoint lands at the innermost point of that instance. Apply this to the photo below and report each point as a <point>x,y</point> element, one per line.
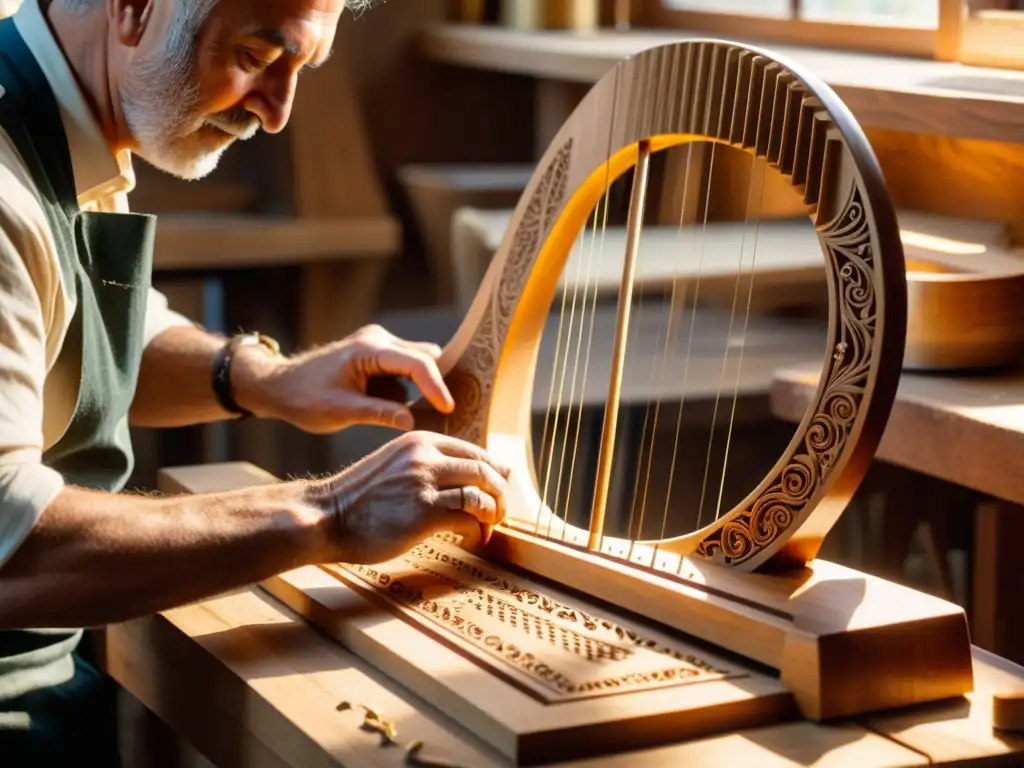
<point>325,390</point>
<point>416,486</point>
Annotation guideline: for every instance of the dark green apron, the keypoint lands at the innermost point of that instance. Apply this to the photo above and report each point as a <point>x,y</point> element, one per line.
<point>55,708</point>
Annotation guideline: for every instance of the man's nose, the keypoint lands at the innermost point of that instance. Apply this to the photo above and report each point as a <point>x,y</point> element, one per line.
<point>272,103</point>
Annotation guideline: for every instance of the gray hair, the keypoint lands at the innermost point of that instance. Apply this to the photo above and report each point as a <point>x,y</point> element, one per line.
<point>85,6</point>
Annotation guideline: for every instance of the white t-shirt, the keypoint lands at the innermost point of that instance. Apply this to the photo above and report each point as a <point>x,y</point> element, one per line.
<point>37,398</point>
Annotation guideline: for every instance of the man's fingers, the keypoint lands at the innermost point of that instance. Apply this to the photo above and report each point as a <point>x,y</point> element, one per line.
<point>462,449</point>
<point>428,348</point>
<point>462,473</point>
<point>421,369</point>
<point>472,501</point>
<point>382,413</point>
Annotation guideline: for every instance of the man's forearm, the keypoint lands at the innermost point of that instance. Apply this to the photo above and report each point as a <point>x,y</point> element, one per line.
<point>96,558</point>
<point>175,380</point>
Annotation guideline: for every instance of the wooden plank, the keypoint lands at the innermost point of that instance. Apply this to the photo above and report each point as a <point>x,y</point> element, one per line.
<point>883,91</point>
<point>238,242</point>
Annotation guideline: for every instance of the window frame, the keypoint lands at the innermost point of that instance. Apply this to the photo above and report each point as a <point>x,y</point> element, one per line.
<point>966,37</point>
<point>904,41</point>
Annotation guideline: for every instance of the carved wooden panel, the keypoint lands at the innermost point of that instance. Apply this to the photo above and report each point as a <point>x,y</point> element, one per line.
<point>546,647</point>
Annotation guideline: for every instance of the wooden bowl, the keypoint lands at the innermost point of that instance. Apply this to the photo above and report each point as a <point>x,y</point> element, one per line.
<point>965,305</point>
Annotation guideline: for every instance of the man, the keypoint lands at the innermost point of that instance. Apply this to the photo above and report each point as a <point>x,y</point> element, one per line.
<point>85,343</point>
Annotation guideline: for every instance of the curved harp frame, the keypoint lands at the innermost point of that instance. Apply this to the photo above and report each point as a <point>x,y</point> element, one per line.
<point>747,582</point>
<point>713,91</point>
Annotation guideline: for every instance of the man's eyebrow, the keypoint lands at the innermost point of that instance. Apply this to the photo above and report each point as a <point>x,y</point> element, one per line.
<point>277,38</point>
<point>324,60</point>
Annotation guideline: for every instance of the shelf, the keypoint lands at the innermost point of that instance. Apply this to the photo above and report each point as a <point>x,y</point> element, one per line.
<point>235,241</point>
<point>896,93</point>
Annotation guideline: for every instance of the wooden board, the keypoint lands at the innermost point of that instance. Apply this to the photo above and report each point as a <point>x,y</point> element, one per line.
<point>537,674</point>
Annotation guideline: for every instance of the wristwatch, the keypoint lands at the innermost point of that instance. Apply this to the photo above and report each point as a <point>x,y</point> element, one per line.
<point>222,367</point>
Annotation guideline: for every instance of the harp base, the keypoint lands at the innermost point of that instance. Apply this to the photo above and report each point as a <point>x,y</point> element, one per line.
<point>844,643</point>
<point>539,676</point>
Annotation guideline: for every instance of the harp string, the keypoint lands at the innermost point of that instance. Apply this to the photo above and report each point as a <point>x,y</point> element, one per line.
<point>693,324</point>
<point>725,366</point>
<point>586,361</point>
<point>544,505</point>
<point>746,318</point>
<point>656,378</point>
<point>675,314</point>
<point>566,508</point>
<point>547,413</point>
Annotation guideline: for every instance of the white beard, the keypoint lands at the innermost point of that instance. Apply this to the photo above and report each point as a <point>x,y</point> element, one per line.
<point>158,102</point>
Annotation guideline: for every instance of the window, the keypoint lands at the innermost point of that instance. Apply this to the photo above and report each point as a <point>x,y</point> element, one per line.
<point>923,14</point>
<point>775,8</point>
<point>892,13</point>
<point>907,27</point>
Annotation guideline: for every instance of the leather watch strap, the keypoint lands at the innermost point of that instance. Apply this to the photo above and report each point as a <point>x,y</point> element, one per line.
<point>222,388</point>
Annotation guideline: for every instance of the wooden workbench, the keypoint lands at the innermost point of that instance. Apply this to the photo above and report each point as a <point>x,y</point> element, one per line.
<point>968,431</point>
<point>248,683</point>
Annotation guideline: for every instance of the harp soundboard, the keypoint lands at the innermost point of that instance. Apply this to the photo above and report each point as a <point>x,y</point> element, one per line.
<point>594,624</point>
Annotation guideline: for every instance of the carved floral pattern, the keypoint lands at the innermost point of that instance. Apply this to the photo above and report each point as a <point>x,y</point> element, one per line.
<point>847,241</point>
<point>473,377</point>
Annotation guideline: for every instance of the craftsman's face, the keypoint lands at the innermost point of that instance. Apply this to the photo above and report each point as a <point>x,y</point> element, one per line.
<point>204,80</point>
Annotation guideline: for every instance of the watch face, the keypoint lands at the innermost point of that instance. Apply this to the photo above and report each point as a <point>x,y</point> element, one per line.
<point>261,340</point>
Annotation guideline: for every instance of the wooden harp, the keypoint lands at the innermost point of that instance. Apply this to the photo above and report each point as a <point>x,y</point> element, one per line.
<point>561,640</point>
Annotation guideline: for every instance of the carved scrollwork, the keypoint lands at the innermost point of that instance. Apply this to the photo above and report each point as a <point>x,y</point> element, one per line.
<point>561,652</point>
<point>849,256</point>
<point>480,362</point>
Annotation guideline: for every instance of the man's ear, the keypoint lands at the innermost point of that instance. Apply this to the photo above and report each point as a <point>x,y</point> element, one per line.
<point>129,19</point>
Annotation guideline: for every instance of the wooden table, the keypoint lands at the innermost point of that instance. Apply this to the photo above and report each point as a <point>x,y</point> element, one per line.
<point>970,432</point>
<point>247,683</point>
